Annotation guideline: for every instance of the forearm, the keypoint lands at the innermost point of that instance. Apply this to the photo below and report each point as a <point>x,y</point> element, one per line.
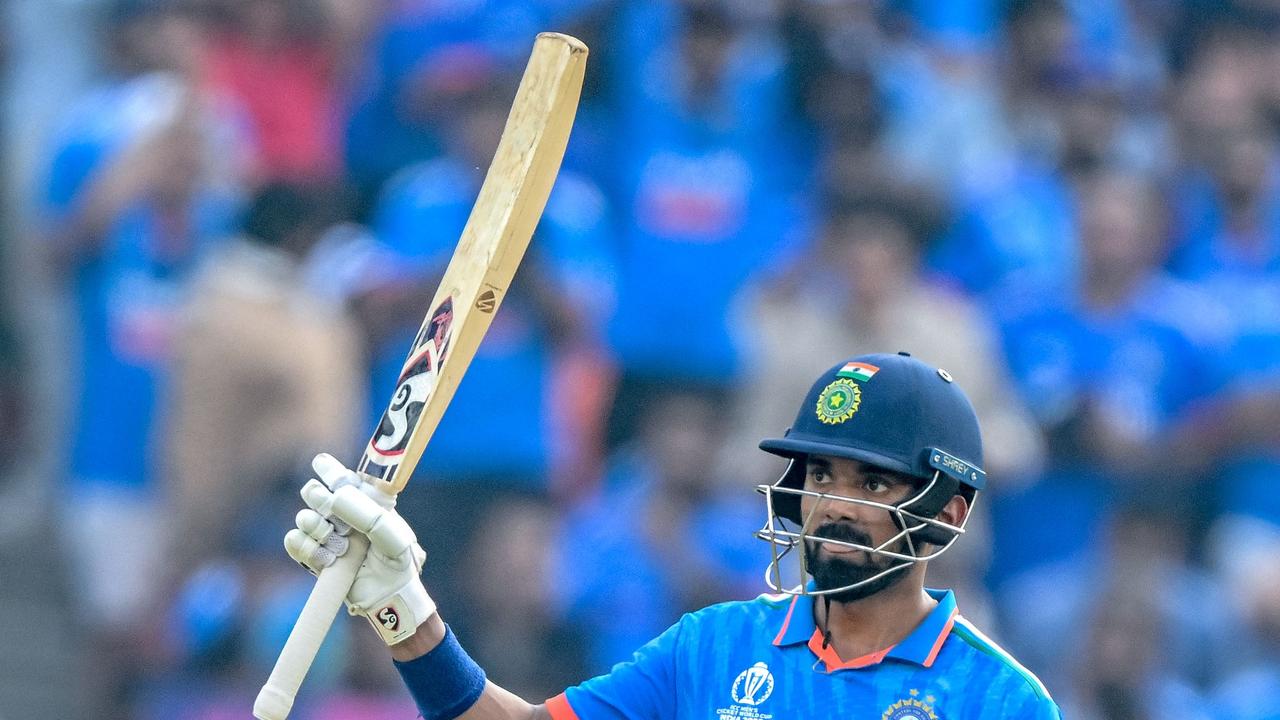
<point>499,704</point>
<point>494,702</point>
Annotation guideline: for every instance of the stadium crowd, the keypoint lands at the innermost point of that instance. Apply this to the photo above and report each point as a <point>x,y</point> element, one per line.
<point>224,220</point>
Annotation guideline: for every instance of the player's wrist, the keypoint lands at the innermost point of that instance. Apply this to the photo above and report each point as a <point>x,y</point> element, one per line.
<point>444,681</point>
<point>424,640</point>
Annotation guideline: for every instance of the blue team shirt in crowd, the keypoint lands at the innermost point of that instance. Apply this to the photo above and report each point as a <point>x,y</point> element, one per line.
<point>1019,231</point>
<point>711,198</point>
<point>128,294</point>
<point>499,422</point>
<point>1250,363</point>
<point>426,42</point>
<point>763,659</point>
<point>1204,244</point>
<point>1143,365</point>
<point>603,570</point>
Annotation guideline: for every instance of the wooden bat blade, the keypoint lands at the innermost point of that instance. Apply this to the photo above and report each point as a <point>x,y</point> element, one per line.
<point>507,210</point>
<point>493,242</point>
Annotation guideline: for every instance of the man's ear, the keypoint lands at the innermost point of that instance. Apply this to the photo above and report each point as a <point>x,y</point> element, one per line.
<point>955,511</point>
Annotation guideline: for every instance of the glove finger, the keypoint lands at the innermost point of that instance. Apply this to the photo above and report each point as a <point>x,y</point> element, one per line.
<point>355,508</point>
<point>332,472</point>
<point>394,538</point>
<point>318,497</point>
<point>340,527</point>
<point>324,532</point>
<point>311,554</point>
<point>389,535</point>
<point>314,525</point>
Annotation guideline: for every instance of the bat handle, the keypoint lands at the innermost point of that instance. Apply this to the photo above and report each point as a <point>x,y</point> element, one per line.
<point>276,697</point>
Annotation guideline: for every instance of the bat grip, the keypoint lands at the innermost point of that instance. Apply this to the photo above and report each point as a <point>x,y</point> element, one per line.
<point>276,697</point>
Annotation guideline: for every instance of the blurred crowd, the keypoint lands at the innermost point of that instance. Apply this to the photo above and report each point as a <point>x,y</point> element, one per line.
<point>223,220</point>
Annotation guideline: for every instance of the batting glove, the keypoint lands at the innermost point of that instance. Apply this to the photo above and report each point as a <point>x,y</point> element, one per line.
<point>387,589</point>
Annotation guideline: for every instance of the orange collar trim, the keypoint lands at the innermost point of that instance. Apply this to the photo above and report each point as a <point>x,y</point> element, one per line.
<point>921,646</point>
<point>831,659</point>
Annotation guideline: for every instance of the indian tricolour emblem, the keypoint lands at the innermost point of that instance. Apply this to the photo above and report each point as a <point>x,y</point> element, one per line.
<point>754,685</point>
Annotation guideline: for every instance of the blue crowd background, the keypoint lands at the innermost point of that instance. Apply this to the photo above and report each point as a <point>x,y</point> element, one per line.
<point>223,220</point>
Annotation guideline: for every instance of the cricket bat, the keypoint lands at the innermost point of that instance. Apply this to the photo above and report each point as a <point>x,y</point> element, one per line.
<point>507,210</point>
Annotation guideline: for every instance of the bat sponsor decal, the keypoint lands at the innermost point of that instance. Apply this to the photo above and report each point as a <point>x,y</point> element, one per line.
<point>417,381</point>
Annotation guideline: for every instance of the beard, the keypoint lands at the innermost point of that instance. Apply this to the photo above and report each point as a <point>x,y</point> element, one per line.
<point>831,572</point>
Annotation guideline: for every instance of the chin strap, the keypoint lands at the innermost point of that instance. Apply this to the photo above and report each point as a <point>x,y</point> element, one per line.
<point>826,622</point>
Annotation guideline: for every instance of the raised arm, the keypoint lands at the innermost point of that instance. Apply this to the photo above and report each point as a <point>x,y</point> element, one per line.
<point>443,680</point>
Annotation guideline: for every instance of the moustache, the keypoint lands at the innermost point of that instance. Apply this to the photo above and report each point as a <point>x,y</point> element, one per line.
<point>841,532</point>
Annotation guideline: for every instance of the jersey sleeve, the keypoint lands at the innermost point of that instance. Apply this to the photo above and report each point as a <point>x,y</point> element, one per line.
<point>1040,707</point>
<point>643,688</point>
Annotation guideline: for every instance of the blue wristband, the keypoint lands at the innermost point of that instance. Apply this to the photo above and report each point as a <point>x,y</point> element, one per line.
<point>445,682</point>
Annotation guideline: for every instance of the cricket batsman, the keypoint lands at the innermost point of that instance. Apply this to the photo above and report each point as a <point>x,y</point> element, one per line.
<point>885,465</point>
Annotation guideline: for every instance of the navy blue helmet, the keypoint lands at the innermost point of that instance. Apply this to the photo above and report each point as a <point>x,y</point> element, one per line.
<point>893,412</point>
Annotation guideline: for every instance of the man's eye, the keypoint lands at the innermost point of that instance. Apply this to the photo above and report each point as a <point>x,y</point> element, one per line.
<point>876,485</point>
<point>819,476</point>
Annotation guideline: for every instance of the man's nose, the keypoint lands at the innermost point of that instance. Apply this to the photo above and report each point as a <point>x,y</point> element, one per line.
<point>834,509</point>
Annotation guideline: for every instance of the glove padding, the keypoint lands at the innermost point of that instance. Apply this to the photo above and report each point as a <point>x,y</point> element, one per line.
<point>387,589</point>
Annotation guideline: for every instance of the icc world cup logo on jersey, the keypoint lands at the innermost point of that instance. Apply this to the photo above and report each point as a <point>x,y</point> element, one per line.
<point>754,685</point>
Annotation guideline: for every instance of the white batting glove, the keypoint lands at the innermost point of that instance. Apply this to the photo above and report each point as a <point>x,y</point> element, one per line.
<point>387,589</point>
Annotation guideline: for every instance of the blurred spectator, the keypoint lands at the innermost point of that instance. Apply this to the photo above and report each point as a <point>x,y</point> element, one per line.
<point>500,441</point>
<point>1137,628</point>
<point>1019,231</point>
<point>419,49</point>
<point>1227,238</point>
<point>1126,679</point>
<point>142,183</point>
<point>711,191</point>
<point>264,364</point>
<point>1084,82</point>
<point>1245,432</point>
<point>520,634</point>
<point>1102,369</point>
<point>285,63</point>
<point>1229,215</point>
<point>267,372</point>
<point>831,48</point>
<point>1252,675</point>
<point>945,125</point>
<point>1082,90</point>
<point>662,535</point>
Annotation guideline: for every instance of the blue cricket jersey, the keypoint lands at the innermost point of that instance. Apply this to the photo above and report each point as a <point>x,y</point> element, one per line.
<point>763,659</point>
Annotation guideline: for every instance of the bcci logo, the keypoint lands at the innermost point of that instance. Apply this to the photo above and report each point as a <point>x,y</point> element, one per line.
<point>911,708</point>
<point>839,401</point>
<point>754,685</point>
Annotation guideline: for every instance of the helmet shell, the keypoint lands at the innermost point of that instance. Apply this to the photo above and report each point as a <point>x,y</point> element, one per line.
<point>891,411</point>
